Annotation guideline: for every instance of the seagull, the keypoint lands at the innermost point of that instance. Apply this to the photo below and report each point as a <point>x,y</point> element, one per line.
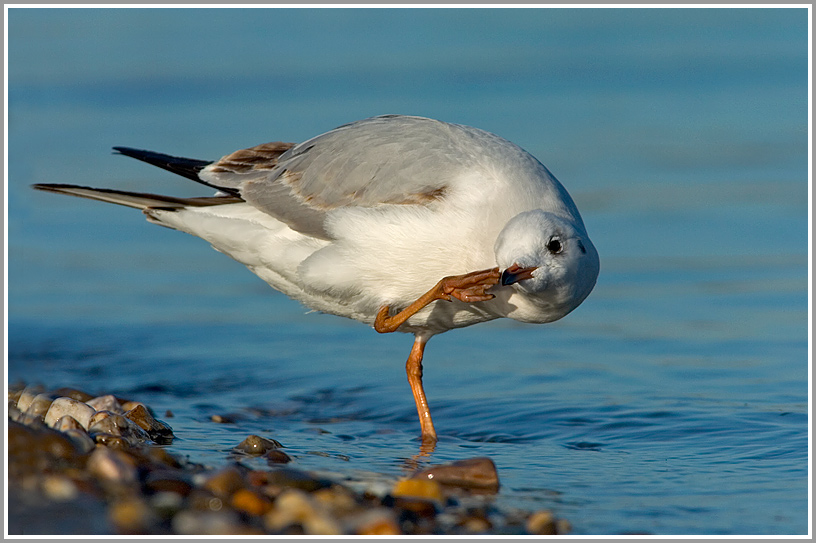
<point>404,223</point>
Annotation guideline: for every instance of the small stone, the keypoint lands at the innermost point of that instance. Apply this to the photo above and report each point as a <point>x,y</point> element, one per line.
<point>156,429</point>
<point>563,526</point>
<point>168,481</point>
<point>39,405</point>
<point>250,502</point>
<point>117,425</point>
<point>293,478</point>
<point>425,489</point>
<point>80,438</point>
<point>295,507</point>
<point>541,523</point>
<point>64,406</point>
<point>65,423</point>
<point>256,445</point>
<point>222,522</point>
<point>380,521</point>
<point>59,488</point>
<point>473,473</point>
<point>277,456</point>
<point>106,403</point>
<point>27,396</point>
<point>224,482</point>
<point>131,516</point>
<point>73,393</point>
<point>112,466</point>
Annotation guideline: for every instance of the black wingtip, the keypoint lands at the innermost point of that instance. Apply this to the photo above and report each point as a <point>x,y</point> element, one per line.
<point>185,167</point>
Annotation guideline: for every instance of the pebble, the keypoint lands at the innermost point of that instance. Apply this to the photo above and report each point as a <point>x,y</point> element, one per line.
<point>296,508</point>
<point>39,405</point>
<point>73,393</point>
<point>380,521</point>
<point>112,466</point>
<point>256,445</point>
<point>27,396</point>
<point>81,440</point>
<point>426,489</point>
<point>132,515</point>
<point>113,424</point>
<point>107,402</point>
<point>472,473</point>
<point>157,430</point>
<point>144,489</point>
<point>250,502</point>
<point>64,406</point>
<point>224,482</point>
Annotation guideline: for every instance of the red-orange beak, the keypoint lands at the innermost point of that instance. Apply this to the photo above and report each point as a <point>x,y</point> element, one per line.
<point>516,273</point>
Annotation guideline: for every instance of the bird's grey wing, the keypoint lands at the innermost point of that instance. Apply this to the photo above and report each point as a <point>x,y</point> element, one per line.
<point>383,160</point>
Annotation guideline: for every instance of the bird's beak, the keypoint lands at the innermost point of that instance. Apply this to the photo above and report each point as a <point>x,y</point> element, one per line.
<point>516,273</point>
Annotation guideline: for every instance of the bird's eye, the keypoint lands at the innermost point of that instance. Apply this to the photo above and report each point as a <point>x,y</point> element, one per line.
<point>554,245</point>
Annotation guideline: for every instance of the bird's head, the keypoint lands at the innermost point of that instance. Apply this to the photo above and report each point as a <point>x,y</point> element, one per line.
<point>549,260</point>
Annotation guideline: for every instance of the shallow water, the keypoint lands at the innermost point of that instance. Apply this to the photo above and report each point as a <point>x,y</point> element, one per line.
<point>674,400</point>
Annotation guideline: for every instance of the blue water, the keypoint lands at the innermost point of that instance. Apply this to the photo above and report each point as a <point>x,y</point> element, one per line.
<point>673,401</point>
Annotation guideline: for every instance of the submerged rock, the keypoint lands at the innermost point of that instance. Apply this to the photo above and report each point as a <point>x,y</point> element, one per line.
<point>473,473</point>
<point>256,445</point>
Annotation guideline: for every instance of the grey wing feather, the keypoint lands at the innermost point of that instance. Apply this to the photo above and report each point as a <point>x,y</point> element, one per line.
<point>383,160</point>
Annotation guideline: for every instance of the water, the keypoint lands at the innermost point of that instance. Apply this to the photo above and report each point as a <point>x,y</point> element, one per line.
<point>673,401</point>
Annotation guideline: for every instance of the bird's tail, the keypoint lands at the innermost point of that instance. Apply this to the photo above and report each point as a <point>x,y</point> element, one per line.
<point>138,200</point>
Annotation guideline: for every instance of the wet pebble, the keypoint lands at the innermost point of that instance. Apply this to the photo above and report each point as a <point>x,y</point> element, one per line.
<point>113,424</point>
<point>69,407</point>
<point>472,473</point>
<point>256,445</point>
<point>107,402</point>
<point>157,430</point>
<point>27,396</point>
<point>39,405</point>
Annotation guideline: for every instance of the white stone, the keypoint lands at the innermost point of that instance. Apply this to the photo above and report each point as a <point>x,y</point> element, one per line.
<point>106,403</point>
<point>61,407</point>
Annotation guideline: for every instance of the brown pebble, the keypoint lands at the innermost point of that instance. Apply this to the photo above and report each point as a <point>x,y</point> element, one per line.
<point>473,473</point>
<point>168,480</point>
<point>277,456</point>
<point>73,393</point>
<point>380,521</point>
<point>118,425</point>
<point>131,516</point>
<point>112,466</point>
<point>225,481</point>
<point>293,478</point>
<point>250,502</point>
<point>541,523</point>
<point>425,489</point>
<point>156,429</point>
<point>295,507</point>
<point>256,445</point>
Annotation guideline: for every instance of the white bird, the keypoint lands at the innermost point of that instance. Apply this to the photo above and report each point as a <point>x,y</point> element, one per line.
<point>404,223</point>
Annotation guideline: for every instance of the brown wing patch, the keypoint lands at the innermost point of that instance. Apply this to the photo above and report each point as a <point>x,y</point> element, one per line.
<point>258,158</point>
<point>292,180</point>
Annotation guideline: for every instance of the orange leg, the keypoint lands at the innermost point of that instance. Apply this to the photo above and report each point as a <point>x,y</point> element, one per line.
<point>470,287</point>
<point>413,367</point>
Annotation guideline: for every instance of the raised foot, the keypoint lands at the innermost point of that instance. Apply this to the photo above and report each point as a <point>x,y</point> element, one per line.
<point>470,287</point>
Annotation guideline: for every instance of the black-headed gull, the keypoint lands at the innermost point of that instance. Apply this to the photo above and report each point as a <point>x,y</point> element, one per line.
<point>404,223</point>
